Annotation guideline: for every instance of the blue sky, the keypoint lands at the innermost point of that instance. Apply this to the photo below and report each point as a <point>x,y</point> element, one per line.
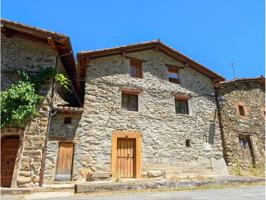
<point>214,33</point>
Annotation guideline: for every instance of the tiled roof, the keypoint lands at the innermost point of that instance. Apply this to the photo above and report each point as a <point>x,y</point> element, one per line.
<point>260,79</point>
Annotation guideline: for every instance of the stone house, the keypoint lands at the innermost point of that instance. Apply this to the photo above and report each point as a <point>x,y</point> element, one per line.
<point>148,111</point>
<point>242,121</point>
<point>23,150</point>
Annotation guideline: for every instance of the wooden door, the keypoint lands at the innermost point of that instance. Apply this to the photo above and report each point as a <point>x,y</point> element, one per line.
<point>9,149</point>
<point>64,162</point>
<point>246,150</point>
<point>126,158</point>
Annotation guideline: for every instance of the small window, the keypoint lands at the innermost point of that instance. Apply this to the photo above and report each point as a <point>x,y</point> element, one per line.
<point>181,106</point>
<point>129,102</point>
<point>188,143</point>
<point>67,120</point>
<point>173,74</point>
<point>241,110</point>
<point>135,69</point>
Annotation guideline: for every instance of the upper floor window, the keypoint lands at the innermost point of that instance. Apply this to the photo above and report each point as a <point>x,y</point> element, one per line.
<point>241,110</point>
<point>173,74</point>
<point>181,106</point>
<point>130,101</point>
<point>135,68</point>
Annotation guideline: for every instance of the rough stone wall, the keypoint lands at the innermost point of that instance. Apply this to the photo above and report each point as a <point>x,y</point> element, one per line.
<point>252,96</point>
<point>163,131</point>
<point>23,53</point>
<point>58,132</point>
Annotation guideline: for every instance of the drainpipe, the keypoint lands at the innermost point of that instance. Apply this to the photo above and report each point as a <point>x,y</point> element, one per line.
<point>44,150</point>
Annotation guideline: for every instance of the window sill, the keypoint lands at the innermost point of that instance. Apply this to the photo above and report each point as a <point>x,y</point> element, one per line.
<point>181,114</point>
<point>129,111</point>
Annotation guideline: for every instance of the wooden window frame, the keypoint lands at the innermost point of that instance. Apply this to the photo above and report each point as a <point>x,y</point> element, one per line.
<point>126,134</point>
<point>237,105</point>
<point>131,92</point>
<point>183,99</point>
<point>173,69</point>
<point>136,63</point>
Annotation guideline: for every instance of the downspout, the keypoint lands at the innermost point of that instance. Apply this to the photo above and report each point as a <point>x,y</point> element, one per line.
<point>44,150</point>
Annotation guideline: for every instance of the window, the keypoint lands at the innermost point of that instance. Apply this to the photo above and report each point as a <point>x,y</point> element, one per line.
<point>173,74</point>
<point>242,142</point>
<point>188,143</point>
<point>241,110</point>
<point>67,120</point>
<point>129,101</point>
<point>135,69</point>
<point>181,106</point>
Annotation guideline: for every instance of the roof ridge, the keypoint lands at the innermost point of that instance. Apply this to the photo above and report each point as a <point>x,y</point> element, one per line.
<point>120,46</point>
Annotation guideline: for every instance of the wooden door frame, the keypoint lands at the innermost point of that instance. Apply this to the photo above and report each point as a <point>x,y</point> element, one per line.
<point>5,132</point>
<point>126,134</point>
<point>57,159</point>
<point>250,146</point>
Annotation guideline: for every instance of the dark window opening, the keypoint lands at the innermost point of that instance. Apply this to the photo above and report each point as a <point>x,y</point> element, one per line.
<point>67,120</point>
<point>173,74</point>
<point>181,106</point>
<point>129,102</point>
<point>188,143</point>
<point>135,69</point>
<point>211,133</point>
<point>241,110</point>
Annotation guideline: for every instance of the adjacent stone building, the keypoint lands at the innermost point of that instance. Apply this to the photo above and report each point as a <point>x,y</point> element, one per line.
<point>23,149</point>
<point>242,119</point>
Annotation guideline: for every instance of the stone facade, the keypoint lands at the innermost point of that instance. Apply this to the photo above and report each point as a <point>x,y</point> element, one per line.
<point>164,132</point>
<point>251,95</point>
<point>18,53</point>
<point>59,132</point>
<point>22,53</point>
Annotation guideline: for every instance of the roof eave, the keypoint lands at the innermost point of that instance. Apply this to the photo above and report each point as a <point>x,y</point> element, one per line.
<point>151,45</point>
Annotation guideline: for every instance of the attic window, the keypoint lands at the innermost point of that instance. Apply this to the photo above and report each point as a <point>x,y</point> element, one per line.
<point>135,68</point>
<point>67,120</point>
<point>173,74</point>
<point>241,110</point>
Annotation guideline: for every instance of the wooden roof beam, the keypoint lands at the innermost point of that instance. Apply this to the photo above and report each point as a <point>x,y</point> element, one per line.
<point>51,43</point>
<point>7,32</point>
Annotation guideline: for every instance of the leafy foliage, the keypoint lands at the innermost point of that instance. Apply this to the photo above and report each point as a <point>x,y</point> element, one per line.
<point>19,102</point>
